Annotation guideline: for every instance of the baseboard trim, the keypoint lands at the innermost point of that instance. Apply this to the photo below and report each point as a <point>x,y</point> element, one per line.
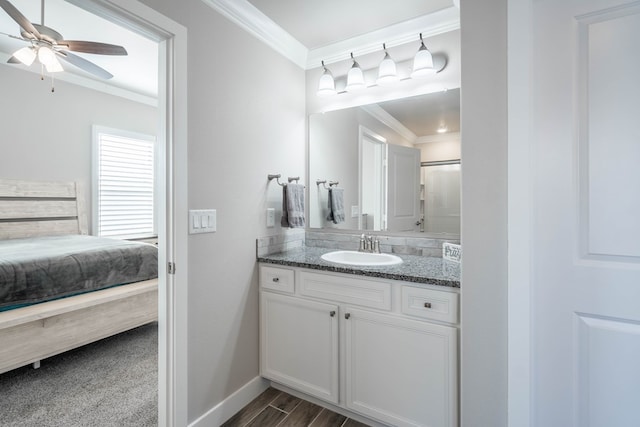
<point>224,410</point>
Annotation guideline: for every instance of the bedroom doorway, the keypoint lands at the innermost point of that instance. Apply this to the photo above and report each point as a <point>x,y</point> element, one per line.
<point>172,214</point>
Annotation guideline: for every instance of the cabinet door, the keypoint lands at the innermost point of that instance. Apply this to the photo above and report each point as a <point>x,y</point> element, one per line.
<point>400,371</point>
<point>299,344</point>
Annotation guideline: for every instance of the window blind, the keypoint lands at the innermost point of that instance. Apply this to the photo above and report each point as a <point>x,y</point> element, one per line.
<point>125,187</point>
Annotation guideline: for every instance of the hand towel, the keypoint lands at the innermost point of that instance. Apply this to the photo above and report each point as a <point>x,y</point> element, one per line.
<point>335,203</point>
<point>293,206</point>
<point>284,221</point>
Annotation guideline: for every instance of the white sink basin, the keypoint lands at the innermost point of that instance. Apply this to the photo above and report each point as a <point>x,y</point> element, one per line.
<point>361,258</point>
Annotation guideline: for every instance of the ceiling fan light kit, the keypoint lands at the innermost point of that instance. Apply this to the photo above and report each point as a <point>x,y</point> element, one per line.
<point>25,55</point>
<point>425,64</point>
<point>48,46</point>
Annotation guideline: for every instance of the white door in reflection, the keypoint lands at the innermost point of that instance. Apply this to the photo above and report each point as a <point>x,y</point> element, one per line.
<point>403,202</point>
<point>372,180</point>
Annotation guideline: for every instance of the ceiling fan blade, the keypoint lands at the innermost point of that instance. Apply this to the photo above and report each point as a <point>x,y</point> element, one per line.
<point>19,18</point>
<point>85,65</point>
<point>92,47</point>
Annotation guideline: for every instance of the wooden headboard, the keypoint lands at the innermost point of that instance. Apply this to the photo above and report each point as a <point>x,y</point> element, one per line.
<point>31,208</point>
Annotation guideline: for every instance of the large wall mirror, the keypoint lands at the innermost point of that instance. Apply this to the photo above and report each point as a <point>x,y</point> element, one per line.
<point>397,163</point>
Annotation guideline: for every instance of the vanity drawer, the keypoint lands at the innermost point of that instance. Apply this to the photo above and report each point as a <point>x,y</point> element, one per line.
<point>277,279</point>
<point>349,290</point>
<point>430,304</point>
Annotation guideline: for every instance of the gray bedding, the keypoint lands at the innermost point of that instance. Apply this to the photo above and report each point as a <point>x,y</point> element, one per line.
<point>39,269</point>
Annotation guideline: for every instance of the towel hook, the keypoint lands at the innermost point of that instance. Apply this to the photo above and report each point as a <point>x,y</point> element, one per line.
<point>324,183</point>
<point>277,178</point>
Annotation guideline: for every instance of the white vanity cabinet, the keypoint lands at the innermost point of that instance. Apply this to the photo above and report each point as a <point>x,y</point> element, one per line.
<point>385,349</point>
<point>299,344</point>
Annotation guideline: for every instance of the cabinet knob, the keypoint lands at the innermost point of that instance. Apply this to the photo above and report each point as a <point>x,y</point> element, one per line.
<point>347,315</point>
<point>427,305</point>
<point>276,279</point>
<point>332,313</point>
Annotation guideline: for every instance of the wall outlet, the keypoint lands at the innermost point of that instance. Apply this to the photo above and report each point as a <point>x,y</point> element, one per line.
<point>271,217</point>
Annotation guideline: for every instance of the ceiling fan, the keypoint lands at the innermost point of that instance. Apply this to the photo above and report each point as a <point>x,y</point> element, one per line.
<point>48,45</point>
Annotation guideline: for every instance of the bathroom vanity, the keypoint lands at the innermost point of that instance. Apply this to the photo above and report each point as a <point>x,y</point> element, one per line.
<point>378,341</point>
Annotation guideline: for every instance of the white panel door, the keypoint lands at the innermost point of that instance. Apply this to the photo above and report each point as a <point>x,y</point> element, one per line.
<point>586,232</point>
<point>299,344</point>
<point>401,371</point>
<point>403,195</point>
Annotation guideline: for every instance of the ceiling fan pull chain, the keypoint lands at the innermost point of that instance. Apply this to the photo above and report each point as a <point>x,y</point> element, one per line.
<point>41,71</point>
<point>53,89</point>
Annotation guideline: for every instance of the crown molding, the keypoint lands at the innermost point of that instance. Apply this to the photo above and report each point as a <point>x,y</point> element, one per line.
<point>248,17</point>
<point>429,25</point>
<point>262,27</point>
<point>387,119</point>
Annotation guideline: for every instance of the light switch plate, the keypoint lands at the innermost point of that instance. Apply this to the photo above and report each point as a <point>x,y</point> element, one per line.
<point>355,210</point>
<point>202,221</point>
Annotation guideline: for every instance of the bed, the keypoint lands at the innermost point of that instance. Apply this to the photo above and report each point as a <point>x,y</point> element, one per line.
<point>47,220</point>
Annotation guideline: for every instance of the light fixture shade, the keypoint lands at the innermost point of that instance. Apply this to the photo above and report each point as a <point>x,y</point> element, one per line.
<point>442,128</point>
<point>387,73</point>
<point>54,66</point>
<point>46,55</point>
<point>326,85</point>
<point>26,55</point>
<point>422,63</point>
<point>355,78</point>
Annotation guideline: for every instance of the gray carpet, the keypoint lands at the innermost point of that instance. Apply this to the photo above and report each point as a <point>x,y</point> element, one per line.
<point>112,382</point>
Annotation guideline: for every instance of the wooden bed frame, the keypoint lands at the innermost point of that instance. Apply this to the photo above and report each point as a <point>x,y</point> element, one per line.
<point>33,333</point>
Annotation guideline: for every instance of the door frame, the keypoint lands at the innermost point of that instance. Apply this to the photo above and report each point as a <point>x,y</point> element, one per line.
<point>366,133</point>
<point>172,214</point>
<point>519,210</point>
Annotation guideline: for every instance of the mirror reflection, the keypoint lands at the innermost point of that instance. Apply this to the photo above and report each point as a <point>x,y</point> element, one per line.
<point>396,165</point>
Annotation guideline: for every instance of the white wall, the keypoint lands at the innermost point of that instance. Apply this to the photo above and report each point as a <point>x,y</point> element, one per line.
<point>333,156</point>
<point>47,136</point>
<point>484,213</point>
<point>246,120</point>
<point>446,148</point>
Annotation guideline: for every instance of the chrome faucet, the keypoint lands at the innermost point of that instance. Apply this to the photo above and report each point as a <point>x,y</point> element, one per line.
<point>369,244</point>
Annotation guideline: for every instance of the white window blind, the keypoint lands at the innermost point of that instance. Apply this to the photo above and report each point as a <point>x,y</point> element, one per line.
<point>124,185</point>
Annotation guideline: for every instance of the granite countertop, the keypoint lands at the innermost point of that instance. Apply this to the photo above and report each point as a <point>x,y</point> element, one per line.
<point>417,269</point>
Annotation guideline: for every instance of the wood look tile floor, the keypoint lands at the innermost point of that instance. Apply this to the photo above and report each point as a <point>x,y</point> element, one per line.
<point>277,408</point>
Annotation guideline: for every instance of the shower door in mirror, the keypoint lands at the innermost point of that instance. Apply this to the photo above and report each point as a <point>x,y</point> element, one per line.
<point>441,197</point>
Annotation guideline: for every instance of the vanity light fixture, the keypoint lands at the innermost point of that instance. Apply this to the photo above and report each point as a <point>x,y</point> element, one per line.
<point>327,85</point>
<point>425,65</point>
<point>355,77</point>
<point>422,62</point>
<point>387,73</point>
<point>442,128</point>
